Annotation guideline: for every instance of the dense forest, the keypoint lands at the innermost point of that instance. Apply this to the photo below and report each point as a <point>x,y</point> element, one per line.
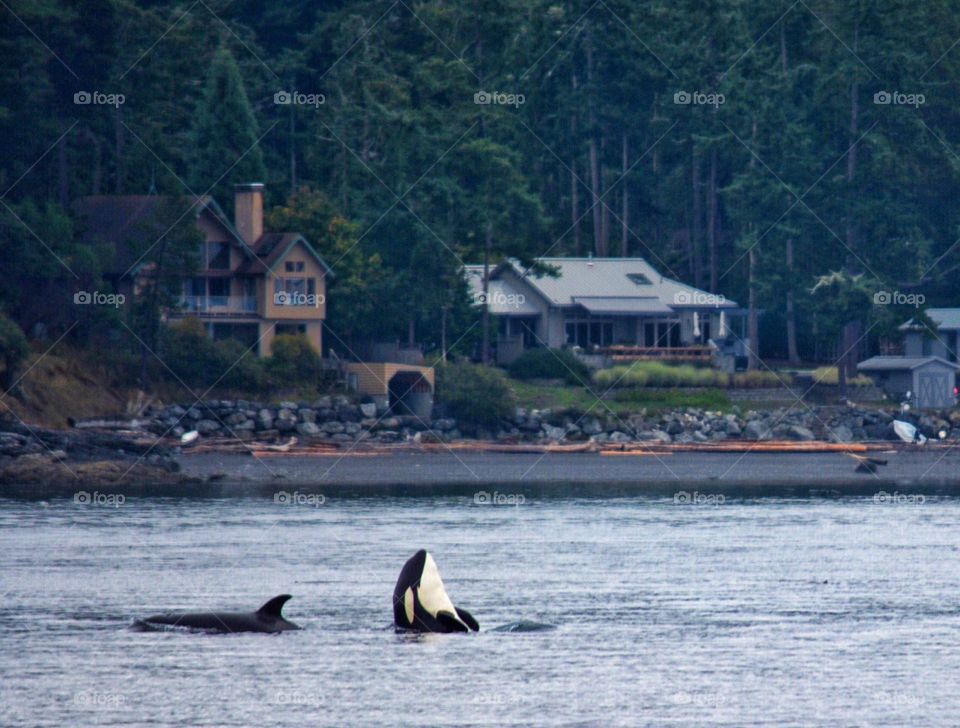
<point>787,154</point>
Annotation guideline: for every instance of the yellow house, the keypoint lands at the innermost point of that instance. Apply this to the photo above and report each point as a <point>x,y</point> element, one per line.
<point>250,285</point>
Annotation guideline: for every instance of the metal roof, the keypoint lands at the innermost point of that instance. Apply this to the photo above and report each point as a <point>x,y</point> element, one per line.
<point>504,299</point>
<point>944,318</point>
<point>898,363</point>
<point>622,304</point>
<point>612,279</point>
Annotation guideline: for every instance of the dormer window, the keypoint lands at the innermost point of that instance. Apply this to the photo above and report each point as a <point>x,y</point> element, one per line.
<point>294,266</point>
<point>639,279</point>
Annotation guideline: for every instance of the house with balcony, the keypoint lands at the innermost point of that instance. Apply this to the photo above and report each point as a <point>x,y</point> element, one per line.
<point>619,308</point>
<point>250,285</point>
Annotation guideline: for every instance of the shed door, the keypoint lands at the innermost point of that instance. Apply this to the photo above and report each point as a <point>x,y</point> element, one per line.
<point>934,389</point>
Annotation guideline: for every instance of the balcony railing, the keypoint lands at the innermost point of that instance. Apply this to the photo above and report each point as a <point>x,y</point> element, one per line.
<point>219,304</point>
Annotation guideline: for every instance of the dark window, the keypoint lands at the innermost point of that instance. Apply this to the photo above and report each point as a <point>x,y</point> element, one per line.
<point>293,266</point>
<point>218,256</point>
<point>639,279</point>
<point>291,329</point>
<point>219,291</point>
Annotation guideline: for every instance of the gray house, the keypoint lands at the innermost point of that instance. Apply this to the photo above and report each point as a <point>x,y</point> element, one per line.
<point>931,380</point>
<point>607,306</point>
<point>944,341</point>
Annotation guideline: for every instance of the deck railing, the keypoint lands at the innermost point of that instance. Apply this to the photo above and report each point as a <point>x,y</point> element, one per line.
<point>219,304</point>
<point>626,353</point>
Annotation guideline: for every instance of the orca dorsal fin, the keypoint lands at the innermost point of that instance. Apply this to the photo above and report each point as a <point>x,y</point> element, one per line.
<point>273,607</point>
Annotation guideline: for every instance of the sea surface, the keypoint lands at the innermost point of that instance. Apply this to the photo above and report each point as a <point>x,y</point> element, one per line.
<point>711,611</point>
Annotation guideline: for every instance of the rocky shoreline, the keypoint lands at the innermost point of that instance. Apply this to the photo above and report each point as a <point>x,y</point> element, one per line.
<point>147,449</point>
<point>337,420</point>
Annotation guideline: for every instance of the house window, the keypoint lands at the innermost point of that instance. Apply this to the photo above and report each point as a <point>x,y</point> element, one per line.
<point>217,256</point>
<point>639,279</point>
<point>219,291</point>
<point>293,266</point>
<point>589,333</point>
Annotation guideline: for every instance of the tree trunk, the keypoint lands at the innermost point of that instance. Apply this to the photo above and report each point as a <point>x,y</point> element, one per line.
<point>712,221</point>
<point>696,232</point>
<point>624,225</point>
<point>753,335</point>
<point>443,334</point>
<point>63,183</point>
<point>118,149</point>
<point>598,242</point>
<point>487,247</point>
<point>574,182</point>
<point>792,355</point>
<point>293,151</point>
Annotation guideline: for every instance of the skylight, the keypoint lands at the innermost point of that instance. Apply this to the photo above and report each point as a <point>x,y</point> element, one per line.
<point>639,279</point>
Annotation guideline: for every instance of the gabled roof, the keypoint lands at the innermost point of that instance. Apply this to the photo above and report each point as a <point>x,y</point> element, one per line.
<point>943,318</point>
<point>899,363</point>
<point>271,248</point>
<point>609,285</point>
<point>114,219</point>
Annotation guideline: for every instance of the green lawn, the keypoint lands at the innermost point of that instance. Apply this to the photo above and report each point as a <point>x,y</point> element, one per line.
<point>543,395</point>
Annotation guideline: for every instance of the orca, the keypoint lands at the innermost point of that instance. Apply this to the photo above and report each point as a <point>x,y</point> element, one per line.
<point>420,602</point>
<point>266,619</point>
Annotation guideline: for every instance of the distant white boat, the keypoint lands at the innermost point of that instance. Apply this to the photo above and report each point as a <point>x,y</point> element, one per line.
<point>188,438</point>
<point>908,433</point>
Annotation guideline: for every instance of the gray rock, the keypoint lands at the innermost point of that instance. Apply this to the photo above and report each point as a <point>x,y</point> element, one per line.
<point>733,429</point>
<point>333,427</point>
<point>390,423</point>
<point>235,419</point>
<point>756,430</point>
<point>245,426</point>
<point>617,436</point>
<point>207,427</point>
<point>286,421</point>
<point>287,405</point>
<point>554,433</point>
<point>798,432</point>
<point>444,424</point>
<point>840,433</point>
<point>351,428</point>
<point>308,428</point>
<point>368,410</point>
<point>307,415</point>
<point>674,427</point>
<point>591,426</point>
<point>388,435</point>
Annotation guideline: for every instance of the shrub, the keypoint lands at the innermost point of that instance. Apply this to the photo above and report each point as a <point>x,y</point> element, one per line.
<point>293,360</point>
<point>658,374</point>
<point>550,364</point>
<point>474,393</point>
<point>13,351</point>
<point>830,375</point>
<point>198,361</point>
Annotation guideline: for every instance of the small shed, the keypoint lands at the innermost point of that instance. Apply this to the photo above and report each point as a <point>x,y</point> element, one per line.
<point>403,388</point>
<point>931,380</point>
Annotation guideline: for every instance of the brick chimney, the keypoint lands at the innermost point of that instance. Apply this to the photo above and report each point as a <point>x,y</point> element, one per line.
<point>248,211</point>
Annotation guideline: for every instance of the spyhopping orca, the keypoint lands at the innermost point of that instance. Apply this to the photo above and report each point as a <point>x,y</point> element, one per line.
<point>266,619</point>
<point>421,604</point>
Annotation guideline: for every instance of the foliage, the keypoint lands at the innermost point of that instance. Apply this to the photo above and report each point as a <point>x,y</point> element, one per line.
<point>830,375</point>
<point>192,358</point>
<point>293,361</point>
<point>543,363</point>
<point>13,352</point>
<point>474,393</point>
<point>658,374</point>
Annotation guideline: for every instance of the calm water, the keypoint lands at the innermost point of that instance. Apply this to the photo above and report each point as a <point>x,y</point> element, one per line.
<point>815,612</point>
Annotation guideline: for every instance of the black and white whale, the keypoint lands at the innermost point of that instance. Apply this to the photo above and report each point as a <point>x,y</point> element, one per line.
<point>420,601</point>
<point>266,619</point>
